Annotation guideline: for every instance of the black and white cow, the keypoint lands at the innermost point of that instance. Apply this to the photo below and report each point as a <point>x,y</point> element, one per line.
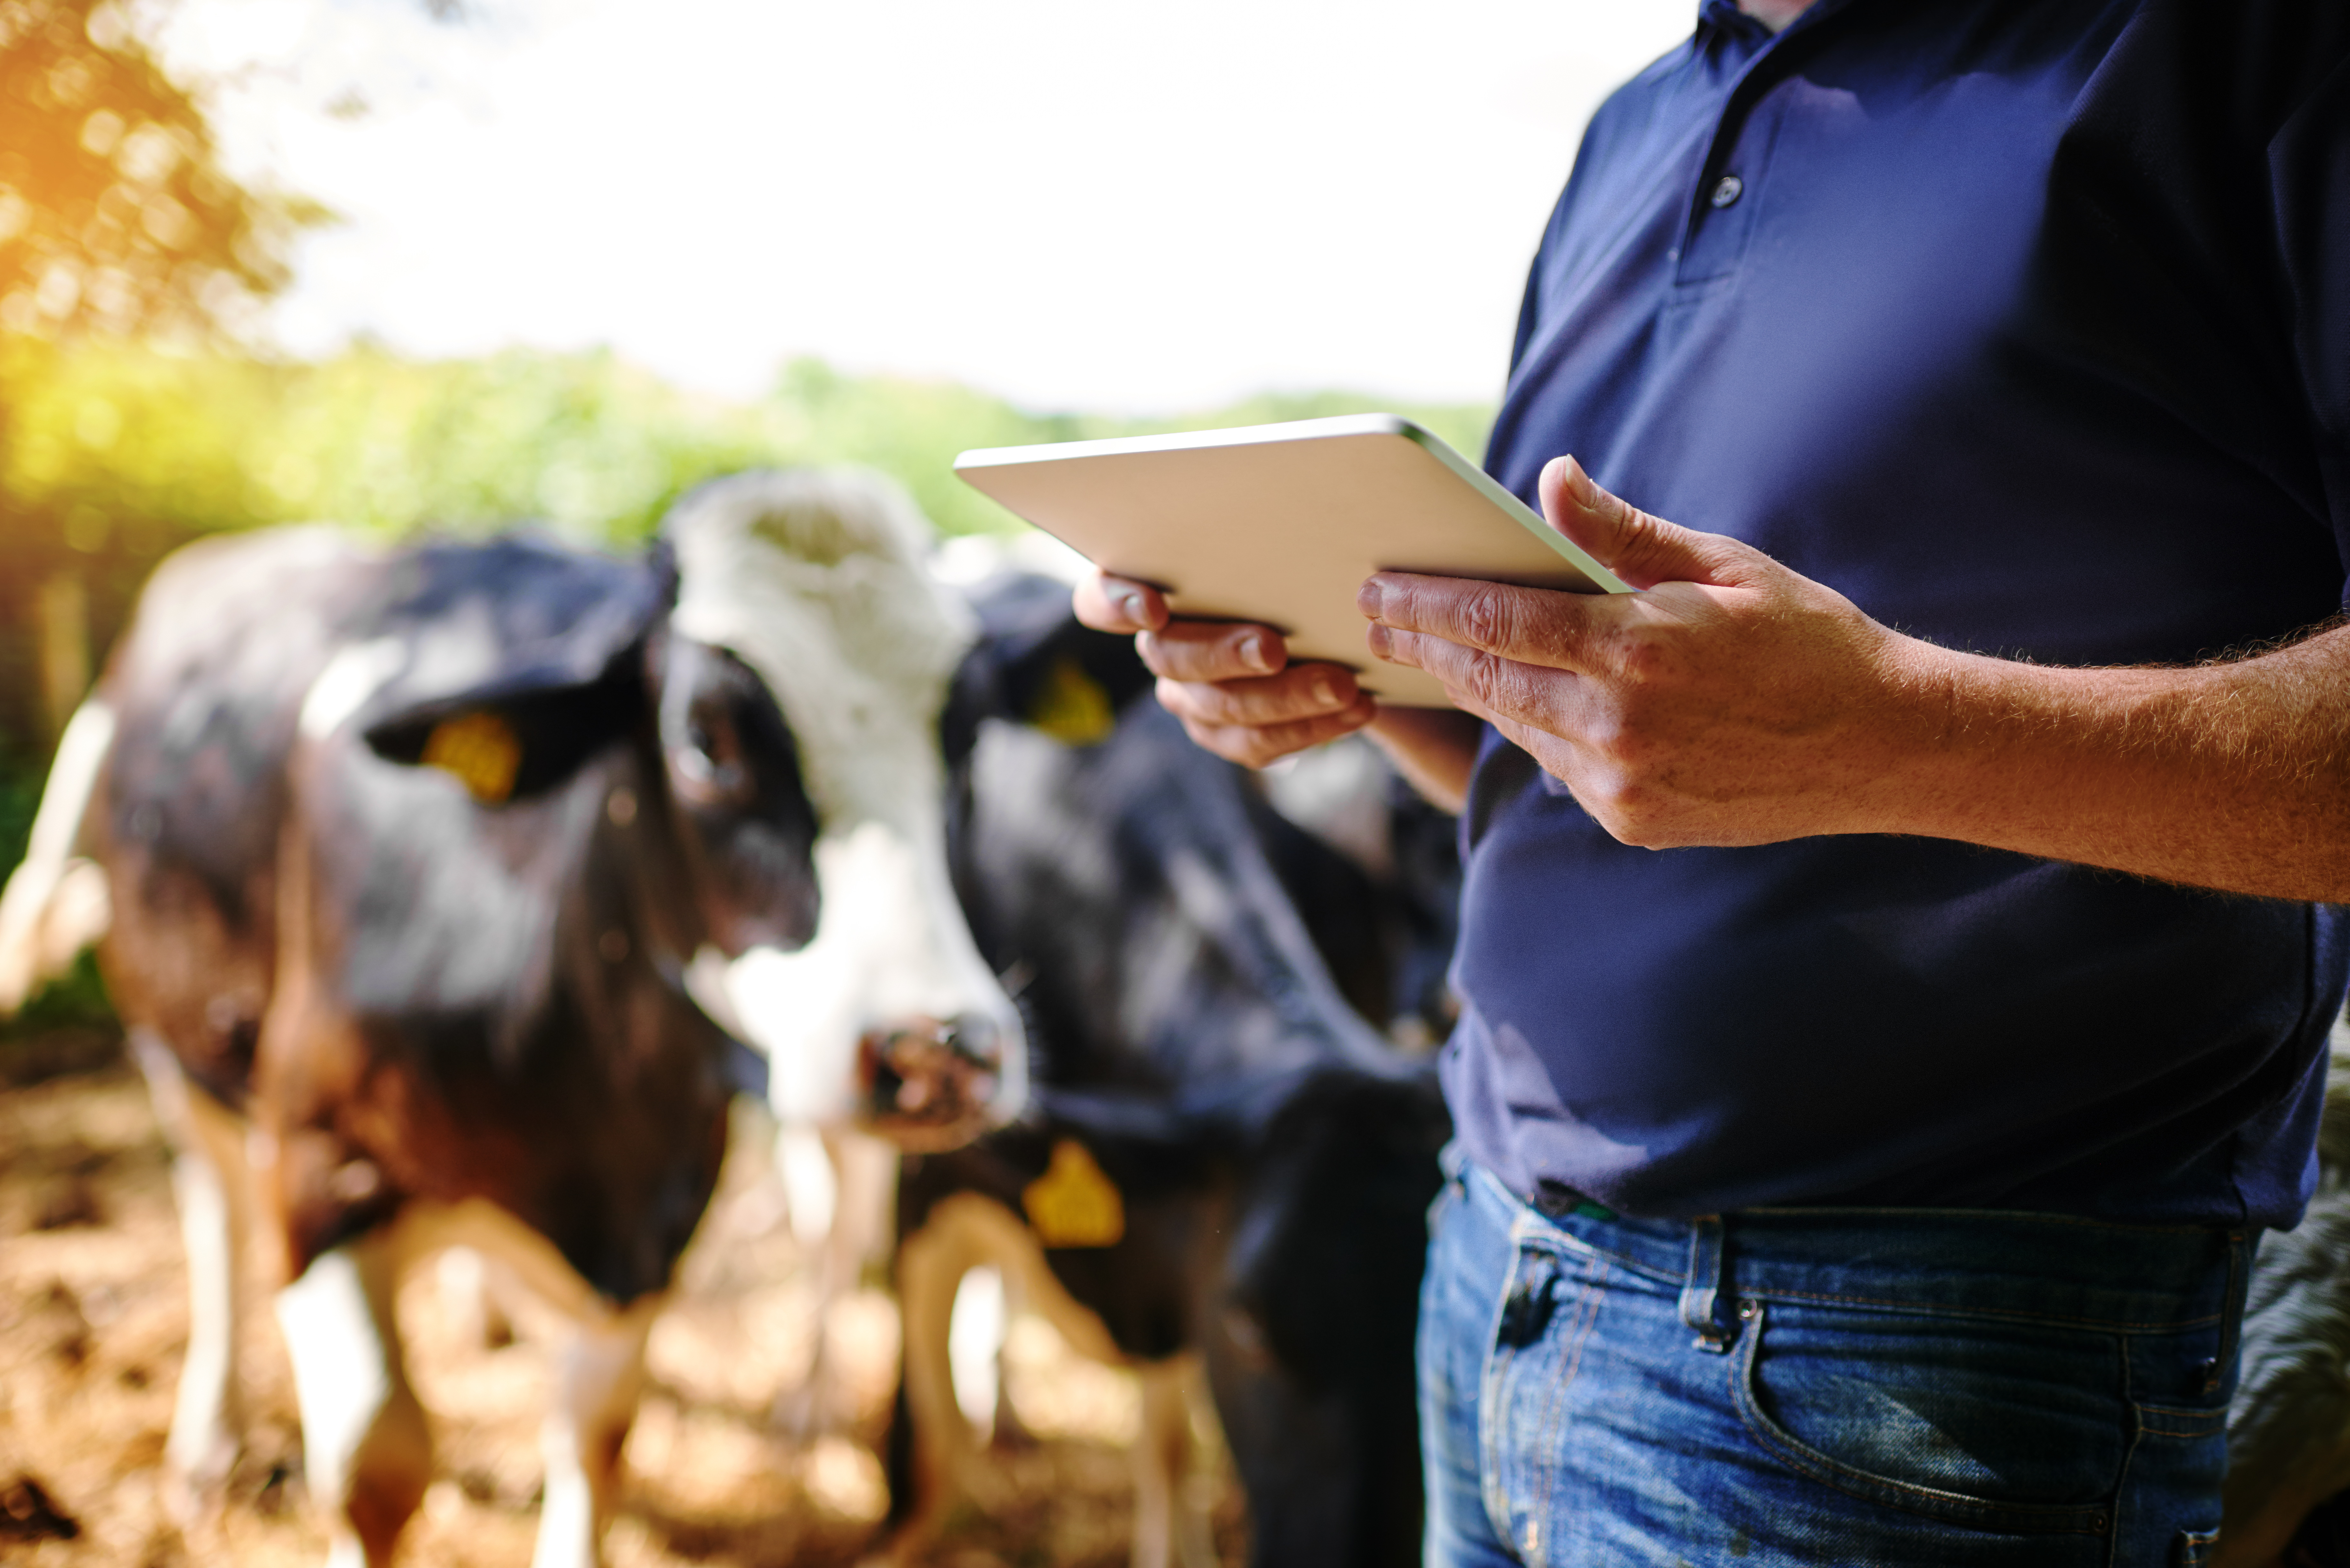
<point>2288,1493</point>
<point>1225,1168</point>
<point>408,857</point>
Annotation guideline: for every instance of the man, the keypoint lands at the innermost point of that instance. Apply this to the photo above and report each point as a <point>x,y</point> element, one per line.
<point>1870,1177</point>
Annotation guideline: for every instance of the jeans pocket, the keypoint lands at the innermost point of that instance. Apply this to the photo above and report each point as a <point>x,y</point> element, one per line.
<point>2015,1427</point>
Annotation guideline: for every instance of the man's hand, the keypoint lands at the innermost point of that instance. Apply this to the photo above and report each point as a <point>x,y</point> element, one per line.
<point>1232,685</point>
<point>1732,702</point>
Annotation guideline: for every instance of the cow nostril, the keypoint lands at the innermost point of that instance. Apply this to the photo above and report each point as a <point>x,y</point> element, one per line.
<point>974,1037</point>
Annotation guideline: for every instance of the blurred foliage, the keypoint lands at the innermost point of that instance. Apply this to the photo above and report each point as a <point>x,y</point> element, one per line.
<point>80,996</point>
<point>113,453</point>
<point>117,442</point>
<point>114,210</point>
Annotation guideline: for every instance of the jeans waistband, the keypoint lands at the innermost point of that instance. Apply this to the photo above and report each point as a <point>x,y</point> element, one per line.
<point>1996,1264</point>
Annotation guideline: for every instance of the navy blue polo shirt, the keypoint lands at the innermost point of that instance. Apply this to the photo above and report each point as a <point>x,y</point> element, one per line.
<point>2026,324</point>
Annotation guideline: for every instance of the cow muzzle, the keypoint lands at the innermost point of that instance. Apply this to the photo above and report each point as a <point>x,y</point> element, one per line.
<point>928,1087</point>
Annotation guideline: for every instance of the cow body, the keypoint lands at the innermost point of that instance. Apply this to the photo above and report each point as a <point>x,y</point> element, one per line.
<point>1267,1156</point>
<point>406,856</point>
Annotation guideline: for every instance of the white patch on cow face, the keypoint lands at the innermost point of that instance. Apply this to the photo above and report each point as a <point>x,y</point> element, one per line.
<point>816,581</point>
<point>890,945</point>
<point>355,674</point>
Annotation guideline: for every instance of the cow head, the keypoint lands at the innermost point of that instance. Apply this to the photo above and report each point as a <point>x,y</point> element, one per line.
<point>816,581</point>
<point>509,664</point>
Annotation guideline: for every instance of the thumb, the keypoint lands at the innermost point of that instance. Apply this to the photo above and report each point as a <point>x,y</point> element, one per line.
<point>1641,549</point>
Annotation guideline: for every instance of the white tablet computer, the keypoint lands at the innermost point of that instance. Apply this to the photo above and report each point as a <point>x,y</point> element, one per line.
<point>1281,523</point>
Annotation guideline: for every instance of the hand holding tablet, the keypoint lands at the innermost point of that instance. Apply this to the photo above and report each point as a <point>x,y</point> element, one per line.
<point>1278,526</point>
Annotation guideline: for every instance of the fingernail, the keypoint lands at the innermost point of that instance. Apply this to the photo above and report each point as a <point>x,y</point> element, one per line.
<point>1323,692</point>
<point>1129,604</point>
<point>1378,639</point>
<point>1372,598</point>
<point>1253,654</point>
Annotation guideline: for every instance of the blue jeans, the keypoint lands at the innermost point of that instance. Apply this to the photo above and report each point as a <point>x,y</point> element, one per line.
<point>1808,1387</point>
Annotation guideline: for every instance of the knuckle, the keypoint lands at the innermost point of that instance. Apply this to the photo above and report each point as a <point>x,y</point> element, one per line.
<point>1643,657</point>
<point>1487,680</point>
<point>1484,615</point>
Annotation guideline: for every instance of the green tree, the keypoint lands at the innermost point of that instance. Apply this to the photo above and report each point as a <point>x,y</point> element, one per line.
<point>114,210</point>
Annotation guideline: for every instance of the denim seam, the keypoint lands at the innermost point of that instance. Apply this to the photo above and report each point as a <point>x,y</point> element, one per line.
<point>1490,1487</point>
<point>2238,1289</point>
<point>2183,1423</point>
<point>2004,1215</point>
<point>1546,1443</point>
<point>1566,1244</point>
<point>2128,1352</point>
<point>2039,1518</point>
<point>1589,1302</point>
<point>2009,1314</point>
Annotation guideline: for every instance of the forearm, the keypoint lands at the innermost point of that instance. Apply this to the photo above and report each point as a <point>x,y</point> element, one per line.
<point>1434,748</point>
<point>2234,775</point>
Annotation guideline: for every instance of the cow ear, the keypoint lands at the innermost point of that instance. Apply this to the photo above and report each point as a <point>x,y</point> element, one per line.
<point>1033,664</point>
<point>523,742</point>
<point>517,661</point>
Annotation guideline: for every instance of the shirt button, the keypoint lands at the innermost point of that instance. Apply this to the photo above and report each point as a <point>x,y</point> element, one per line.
<point>1727,189</point>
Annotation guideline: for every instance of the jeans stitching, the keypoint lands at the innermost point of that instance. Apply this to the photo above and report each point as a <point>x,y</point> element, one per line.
<point>2007,1314</point>
<point>2128,1352</point>
<point>1545,1475</point>
<point>2044,1518</point>
<point>1490,1442</point>
<point>1588,1300</point>
<point>2183,1423</point>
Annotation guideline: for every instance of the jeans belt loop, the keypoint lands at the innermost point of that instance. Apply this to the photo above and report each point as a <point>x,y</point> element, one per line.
<point>1701,1292</point>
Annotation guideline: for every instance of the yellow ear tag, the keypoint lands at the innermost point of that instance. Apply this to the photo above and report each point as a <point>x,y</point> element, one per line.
<point>1072,1204</point>
<point>1071,706</point>
<point>480,749</point>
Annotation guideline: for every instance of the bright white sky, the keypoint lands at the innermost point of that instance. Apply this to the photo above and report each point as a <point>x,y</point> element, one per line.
<point>1076,203</point>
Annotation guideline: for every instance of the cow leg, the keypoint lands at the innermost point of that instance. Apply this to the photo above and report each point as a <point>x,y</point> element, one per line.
<point>975,1329</point>
<point>600,1375</point>
<point>469,1294</point>
<point>806,1169</point>
<point>840,1189</point>
<point>1170,1513</point>
<point>367,1449</point>
<point>214,1195</point>
<point>931,1264</point>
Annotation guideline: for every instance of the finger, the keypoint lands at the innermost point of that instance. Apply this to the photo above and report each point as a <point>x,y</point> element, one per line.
<point>1301,691</point>
<point>1528,692</point>
<point>1532,626</point>
<point>1211,650</point>
<point>1642,549</point>
<point>1119,604</point>
<point>1254,745</point>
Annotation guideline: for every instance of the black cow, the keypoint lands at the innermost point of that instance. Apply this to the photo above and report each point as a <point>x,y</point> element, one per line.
<point>406,853</point>
<point>1225,1165</point>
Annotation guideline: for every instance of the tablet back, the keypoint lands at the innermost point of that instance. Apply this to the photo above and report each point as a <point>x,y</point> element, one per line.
<point>1281,523</point>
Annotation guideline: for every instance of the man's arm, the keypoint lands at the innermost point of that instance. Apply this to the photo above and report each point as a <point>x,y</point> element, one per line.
<point>1733,702</point>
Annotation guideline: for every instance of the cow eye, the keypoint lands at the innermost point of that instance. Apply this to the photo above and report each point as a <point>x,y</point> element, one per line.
<point>709,764</point>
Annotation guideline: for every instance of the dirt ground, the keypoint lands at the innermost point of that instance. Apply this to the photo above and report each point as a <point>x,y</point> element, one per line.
<point>93,1324</point>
